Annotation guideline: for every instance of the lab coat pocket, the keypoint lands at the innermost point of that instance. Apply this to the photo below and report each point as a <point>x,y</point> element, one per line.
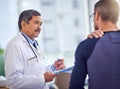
<point>31,66</point>
<point>32,60</point>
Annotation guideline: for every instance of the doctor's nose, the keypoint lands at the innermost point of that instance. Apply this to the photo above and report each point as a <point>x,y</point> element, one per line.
<point>40,25</point>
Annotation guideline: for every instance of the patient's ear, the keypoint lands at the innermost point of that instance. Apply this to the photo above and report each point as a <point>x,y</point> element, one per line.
<point>97,15</point>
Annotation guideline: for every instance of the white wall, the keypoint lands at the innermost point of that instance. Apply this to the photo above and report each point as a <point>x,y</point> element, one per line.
<point>8,21</point>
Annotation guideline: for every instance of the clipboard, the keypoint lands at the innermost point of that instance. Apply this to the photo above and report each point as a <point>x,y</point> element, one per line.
<point>63,70</point>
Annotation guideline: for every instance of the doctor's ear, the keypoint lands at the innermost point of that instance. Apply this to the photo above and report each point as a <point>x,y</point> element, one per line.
<point>23,23</point>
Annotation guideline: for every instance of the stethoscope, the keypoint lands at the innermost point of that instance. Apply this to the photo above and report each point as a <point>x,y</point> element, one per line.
<point>31,48</point>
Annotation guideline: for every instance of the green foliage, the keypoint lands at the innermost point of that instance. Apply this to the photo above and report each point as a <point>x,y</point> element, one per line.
<point>2,72</point>
<point>1,51</point>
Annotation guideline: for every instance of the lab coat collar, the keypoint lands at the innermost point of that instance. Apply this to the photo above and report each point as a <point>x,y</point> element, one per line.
<point>21,36</point>
<point>29,40</point>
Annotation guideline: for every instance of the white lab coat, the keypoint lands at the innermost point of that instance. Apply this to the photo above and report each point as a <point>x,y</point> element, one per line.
<point>22,73</point>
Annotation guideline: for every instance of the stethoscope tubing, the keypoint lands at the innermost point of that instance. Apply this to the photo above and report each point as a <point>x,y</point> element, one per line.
<point>30,47</point>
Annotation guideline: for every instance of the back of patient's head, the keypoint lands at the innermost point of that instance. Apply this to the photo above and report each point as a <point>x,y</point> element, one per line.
<point>108,9</point>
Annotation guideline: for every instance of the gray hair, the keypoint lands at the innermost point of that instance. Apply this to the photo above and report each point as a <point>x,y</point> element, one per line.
<point>26,16</point>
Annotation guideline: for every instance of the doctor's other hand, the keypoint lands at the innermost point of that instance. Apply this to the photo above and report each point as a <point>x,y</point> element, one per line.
<point>59,64</point>
<point>49,76</point>
<point>96,34</point>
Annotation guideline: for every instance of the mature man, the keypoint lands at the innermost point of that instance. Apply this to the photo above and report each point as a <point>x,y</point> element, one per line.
<point>24,62</point>
<point>99,57</point>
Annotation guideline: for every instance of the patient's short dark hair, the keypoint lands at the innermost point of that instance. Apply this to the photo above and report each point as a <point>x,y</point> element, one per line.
<point>108,9</point>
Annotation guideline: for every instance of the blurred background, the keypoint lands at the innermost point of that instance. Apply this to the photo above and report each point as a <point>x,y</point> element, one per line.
<point>65,24</point>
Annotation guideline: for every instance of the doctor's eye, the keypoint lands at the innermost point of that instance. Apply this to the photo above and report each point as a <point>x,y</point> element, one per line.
<point>38,23</point>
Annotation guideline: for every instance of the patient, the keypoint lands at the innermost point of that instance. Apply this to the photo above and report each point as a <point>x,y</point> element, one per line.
<point>99,57</point>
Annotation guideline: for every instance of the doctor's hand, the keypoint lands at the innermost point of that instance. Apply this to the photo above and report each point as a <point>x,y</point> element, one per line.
<point>49,76</point>
<point>59,64</point>
<point>96,34</point>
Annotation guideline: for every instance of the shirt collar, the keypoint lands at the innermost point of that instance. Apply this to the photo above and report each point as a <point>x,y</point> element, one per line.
<point>28,39</point>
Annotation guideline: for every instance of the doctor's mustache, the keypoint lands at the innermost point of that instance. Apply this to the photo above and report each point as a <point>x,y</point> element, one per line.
<point>37,30</point>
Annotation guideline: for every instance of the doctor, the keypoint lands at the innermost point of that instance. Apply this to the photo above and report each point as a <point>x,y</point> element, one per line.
<point>24,63</point>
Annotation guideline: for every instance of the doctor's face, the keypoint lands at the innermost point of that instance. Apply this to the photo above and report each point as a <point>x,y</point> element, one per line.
<point>33,27</point>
